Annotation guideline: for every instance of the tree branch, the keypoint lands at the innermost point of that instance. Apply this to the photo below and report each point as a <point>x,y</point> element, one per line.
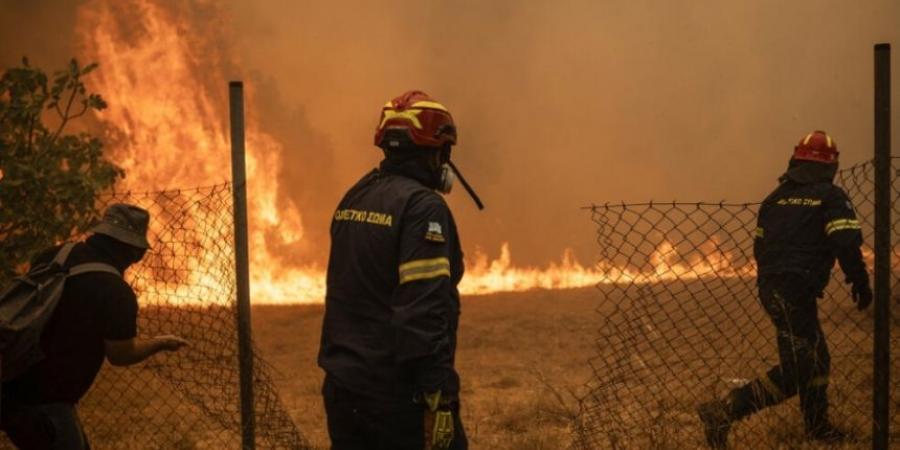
<point>31,134</point>
<point>66,117</point>
<point>9,227</point>
<point>5,230</point>
<point>80,113</point>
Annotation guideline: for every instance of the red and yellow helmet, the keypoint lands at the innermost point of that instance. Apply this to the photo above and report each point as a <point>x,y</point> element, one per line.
<point>427,122</point>
<point>817,146</point>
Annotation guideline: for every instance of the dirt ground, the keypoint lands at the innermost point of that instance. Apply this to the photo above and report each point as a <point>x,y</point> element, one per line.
<point>524,359</point>
<point>521,358</point>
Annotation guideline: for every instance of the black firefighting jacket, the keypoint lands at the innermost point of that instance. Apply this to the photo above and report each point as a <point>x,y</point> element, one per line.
<point>392,305</point>
<point>802,227</point>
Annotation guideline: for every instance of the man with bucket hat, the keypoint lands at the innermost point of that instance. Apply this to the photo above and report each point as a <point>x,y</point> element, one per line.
<point>94,318</point>
<point>125,223</point>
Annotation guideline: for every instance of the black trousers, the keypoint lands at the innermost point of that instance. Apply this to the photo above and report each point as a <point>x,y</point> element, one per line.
<point>804,362</point>
<point>358,422</point>
<point>51,426</point>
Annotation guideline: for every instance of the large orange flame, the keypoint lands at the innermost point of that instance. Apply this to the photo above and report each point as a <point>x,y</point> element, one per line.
<point>169,131</point>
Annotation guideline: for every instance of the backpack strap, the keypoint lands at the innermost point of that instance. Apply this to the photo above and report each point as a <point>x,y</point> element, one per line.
<point>63,254</point>
<point>93,267</point>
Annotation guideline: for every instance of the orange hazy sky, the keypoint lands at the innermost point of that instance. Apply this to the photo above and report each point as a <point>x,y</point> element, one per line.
<point>559,103</point>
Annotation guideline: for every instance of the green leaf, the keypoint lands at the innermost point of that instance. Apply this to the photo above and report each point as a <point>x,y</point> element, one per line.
<point>51,183</point>
<point>90,68</point>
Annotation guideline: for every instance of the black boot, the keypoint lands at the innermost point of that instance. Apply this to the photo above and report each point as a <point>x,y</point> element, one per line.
<point>716,419</point>
<point>814,402</point>
<point>718,416</point>
<point>828,434</point>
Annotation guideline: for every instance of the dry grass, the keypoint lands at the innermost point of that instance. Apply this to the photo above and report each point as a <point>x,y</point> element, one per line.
<point>523,362</point>
<point>522,359</point>
<point>697,350</point>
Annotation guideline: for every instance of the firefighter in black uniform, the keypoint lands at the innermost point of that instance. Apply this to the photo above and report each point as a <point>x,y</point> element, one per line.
<point>392,305</point>
<point>803,226</point>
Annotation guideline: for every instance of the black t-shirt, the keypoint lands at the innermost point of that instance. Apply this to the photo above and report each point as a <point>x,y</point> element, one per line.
<point>94,307</point>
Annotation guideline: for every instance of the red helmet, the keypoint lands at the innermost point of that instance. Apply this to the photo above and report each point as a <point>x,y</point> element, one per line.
<point>427,122</point>
<point>817,146</point>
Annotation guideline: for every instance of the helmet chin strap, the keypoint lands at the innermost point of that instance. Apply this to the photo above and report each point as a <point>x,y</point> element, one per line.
<point>465,185</point>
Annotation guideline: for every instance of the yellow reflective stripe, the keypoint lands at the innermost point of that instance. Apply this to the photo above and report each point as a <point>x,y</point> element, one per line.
<point>422,104</point>
<point>442,436</point>
<point>423,269</point>
<point>818,381</point>
<point>842,224</point>
<point>848,227</point>
<point>771,387</point>
<point>424,275</point>
<point>424,263</point>
<point>430,105</point>
<point>433,400</point>
<point>410,115</point>
<point>760,232</point>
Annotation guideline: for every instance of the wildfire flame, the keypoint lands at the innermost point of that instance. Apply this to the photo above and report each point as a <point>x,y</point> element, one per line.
<point>168,131</point>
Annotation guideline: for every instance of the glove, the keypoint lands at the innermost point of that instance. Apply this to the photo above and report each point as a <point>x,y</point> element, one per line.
<point>438,422</point>
<point>861,293</point>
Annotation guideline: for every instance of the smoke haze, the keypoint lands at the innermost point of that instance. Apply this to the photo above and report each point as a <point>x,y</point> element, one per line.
<point>558,103</point>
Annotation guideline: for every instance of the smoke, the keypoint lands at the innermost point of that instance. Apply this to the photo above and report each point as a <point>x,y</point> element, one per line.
<point>558,103</point>
<point>42,31</point>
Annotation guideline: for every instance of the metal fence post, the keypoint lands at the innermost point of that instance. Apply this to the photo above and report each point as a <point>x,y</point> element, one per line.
<point>882,353</point>
<point>242,269</point>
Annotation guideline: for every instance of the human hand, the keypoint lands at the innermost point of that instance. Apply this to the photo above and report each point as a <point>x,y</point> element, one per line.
<point>862,294</point>
<point>171,343</point>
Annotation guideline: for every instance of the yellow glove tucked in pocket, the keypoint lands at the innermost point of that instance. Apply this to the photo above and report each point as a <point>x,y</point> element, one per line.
<point>438,422</point>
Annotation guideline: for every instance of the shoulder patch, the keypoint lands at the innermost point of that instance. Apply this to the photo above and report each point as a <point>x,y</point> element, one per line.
<point>435,233</point>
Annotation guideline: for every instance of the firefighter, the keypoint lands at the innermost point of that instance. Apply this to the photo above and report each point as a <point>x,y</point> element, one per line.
<point>803,226</point>
<point>392,306</point>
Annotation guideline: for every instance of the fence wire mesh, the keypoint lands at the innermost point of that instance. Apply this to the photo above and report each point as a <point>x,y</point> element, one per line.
<point>681,324</point>
<point>186,287</point>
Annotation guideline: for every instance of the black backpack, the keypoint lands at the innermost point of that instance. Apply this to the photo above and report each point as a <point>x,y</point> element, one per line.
<point>27,305</point>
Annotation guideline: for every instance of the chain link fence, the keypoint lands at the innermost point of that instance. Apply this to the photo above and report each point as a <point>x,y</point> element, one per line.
<point>681,324</point>
<point>185,286</point>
